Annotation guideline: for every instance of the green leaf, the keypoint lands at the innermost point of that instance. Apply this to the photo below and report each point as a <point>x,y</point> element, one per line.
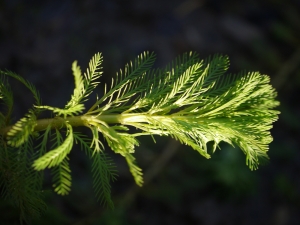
<point>217,66</point>
<point>160,83</point>
<point>76,109</point>
<point>62,177</point>
<point>85,143</point>
<point>123,144</point>
<point>91,75</point>
<point>134,169</point>
<point>96,144</point>
<point>127,84</point>
<point>20,132</point>
<point>57,155</point>
<point>104,172</point>
<point>29,85</point>
<point>18,181</point>
<point>84,86</point>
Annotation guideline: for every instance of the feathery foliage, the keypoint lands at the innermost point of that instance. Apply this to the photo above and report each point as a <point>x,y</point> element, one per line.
<point>56,156</point>
<point>20,184</point>
<point>191,100</point>
<point>26,83</point>
<point>22,130</point>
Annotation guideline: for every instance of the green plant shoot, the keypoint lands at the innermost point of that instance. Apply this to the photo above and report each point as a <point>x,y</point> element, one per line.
<point>190,100</point>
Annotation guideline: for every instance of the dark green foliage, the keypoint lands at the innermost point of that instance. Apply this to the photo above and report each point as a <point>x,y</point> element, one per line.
<point>20,183</point>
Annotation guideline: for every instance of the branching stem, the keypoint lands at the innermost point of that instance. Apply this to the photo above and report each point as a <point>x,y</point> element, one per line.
<point>58,122</point>
<point>85,120</point>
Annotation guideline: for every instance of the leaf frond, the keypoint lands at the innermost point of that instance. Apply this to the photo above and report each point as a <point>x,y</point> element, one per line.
<point>135,170</point>
<point>165,84</point>
<point>124,144</point>
<point>104,171</point>
<point>121,143</point>
<point>64,112</point>
<point>85,143</point>
<point>126,84</point>
<point>84,85</point>
<point>20,132</point>
<point>29,85</point>
<point>18,181</point>
<point>56,156</point>
<point>91,75</point>
<point>62,179</point>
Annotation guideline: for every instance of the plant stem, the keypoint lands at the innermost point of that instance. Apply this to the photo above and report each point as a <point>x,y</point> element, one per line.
<point>85,120</point>
<point>58,122</point>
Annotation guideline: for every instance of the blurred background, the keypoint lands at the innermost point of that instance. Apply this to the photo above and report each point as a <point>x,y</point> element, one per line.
<point>40,39</point>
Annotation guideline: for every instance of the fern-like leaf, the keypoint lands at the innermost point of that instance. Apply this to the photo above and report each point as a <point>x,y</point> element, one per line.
<point>62,177</point>
<point>103,169</point>
<point>84,85</point>
<point>29,85</point>
<point>57,155</point>
<point>127,83</point>
<point>159,83</point>
<point>64,112</point>
<point>91,75</point>
<point>104,172</point>
<point>79,86</point>
<point>20,132</point>
<point>85,143</point>
<point>18,183</point>
<point>123,143</point>
<point>135,170</point>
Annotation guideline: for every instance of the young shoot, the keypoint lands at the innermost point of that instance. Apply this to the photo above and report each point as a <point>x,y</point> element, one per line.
<point>191,100</point>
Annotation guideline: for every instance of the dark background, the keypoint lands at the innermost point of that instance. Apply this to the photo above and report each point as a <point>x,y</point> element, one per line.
<point>40,39</point>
